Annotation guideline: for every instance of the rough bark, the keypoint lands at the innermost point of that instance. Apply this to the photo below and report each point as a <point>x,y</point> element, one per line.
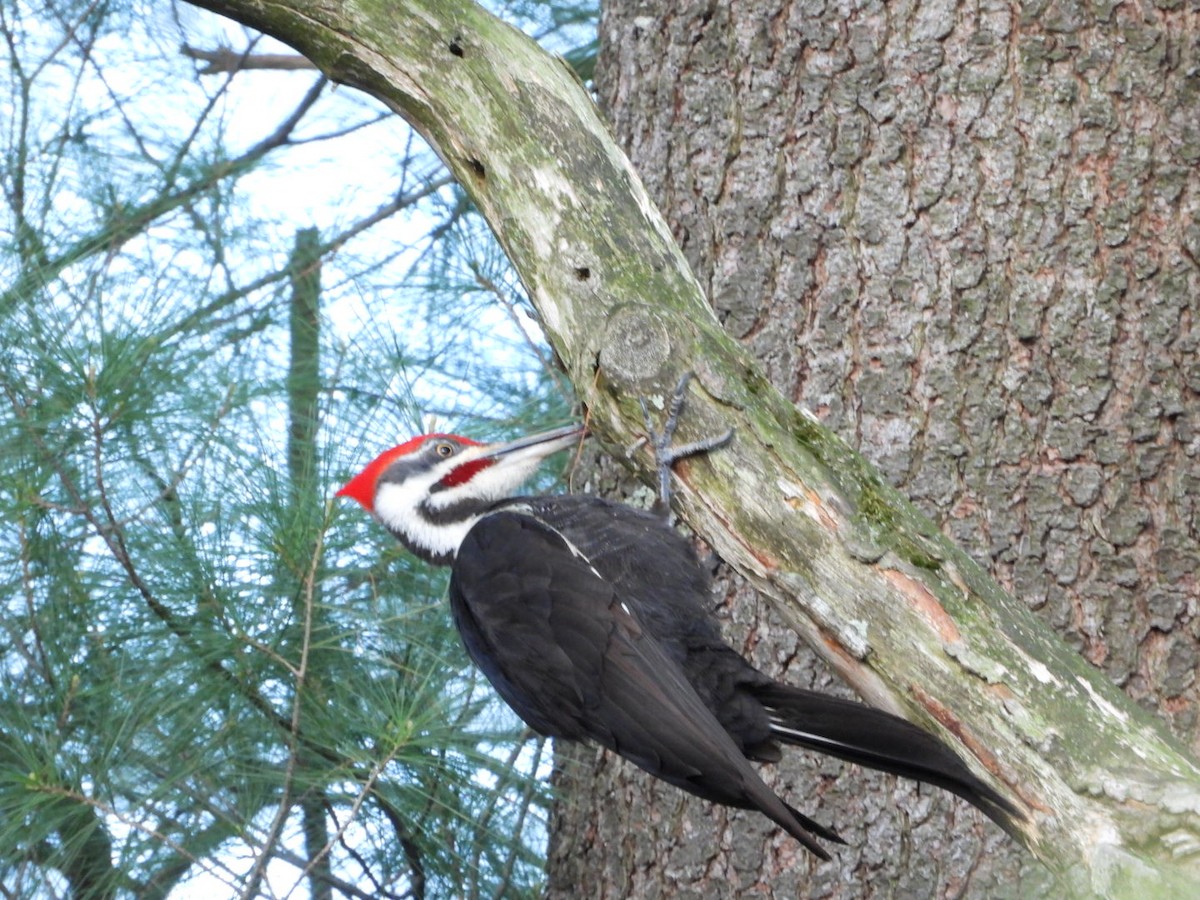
<point>908,619</point>
<point>967,237</point>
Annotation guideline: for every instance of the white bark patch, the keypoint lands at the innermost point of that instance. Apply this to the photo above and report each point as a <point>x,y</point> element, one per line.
<point>977,664</point>
<point>1181,843</point>
<point>549,310</point>
<point>1103,705</point>
<point>543,230</point>
<point>1033,730</point>
<point>1040,672</point>
<point>850,633</point>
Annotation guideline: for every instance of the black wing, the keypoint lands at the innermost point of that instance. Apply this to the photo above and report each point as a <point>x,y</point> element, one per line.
<point>568,655</point>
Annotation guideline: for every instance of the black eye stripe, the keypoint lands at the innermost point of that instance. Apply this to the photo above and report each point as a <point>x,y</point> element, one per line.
<point>425,457</point>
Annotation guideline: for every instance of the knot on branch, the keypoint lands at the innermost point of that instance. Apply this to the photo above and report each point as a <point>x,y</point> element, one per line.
<point>636,345</point>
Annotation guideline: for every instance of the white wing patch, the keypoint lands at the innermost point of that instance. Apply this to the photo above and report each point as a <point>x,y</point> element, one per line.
<point>578,554</point>
<point>575,551</point>
<point>779,727</point>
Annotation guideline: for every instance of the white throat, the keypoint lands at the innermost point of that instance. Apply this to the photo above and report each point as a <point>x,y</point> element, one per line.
<point>403,510</point>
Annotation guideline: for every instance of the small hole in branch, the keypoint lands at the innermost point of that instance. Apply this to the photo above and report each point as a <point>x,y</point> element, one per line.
<point>457,48</point>
<point>583,273</point>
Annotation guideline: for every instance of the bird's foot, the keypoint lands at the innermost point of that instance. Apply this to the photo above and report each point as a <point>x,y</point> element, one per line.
<point>665,455</point>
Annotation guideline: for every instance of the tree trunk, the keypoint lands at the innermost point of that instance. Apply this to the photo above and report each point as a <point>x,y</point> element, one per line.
<point>969,242</point>
<point>911,621</point>
<point>316,640</point>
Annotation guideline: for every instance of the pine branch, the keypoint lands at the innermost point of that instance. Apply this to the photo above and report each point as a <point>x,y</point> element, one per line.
<point>106,525</point>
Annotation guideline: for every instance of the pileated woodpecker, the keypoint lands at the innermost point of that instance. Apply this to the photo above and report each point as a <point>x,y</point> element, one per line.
<point>591,620</point>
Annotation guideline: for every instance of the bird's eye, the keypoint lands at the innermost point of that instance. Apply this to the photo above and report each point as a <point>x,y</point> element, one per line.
<point>443,449</point>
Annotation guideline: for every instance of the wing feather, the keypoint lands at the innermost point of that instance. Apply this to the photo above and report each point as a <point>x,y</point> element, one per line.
<point>569,656</point>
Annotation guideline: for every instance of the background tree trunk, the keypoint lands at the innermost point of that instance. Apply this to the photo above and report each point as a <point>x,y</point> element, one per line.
<point>966,236</point>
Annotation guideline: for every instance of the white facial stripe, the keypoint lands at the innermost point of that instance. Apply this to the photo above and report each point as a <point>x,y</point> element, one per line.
<point>397,507</point>
<point>405,507</point>
<point>506,476</point>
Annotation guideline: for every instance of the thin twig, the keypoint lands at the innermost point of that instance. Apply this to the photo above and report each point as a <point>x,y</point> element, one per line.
<point>517,845</point>
<point>367,787</point>
<point>211,867</point>
<point>300,674</point>
<point>509,307</point>
<point>121,227</point>
<point>226,59</point>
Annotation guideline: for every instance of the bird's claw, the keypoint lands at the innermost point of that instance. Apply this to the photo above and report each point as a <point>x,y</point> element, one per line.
<point>665,455</point>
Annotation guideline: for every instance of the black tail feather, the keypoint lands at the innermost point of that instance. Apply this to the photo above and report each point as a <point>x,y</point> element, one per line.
<point>821,831</point>
<point>878,740</point>
<point>802,835</point>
